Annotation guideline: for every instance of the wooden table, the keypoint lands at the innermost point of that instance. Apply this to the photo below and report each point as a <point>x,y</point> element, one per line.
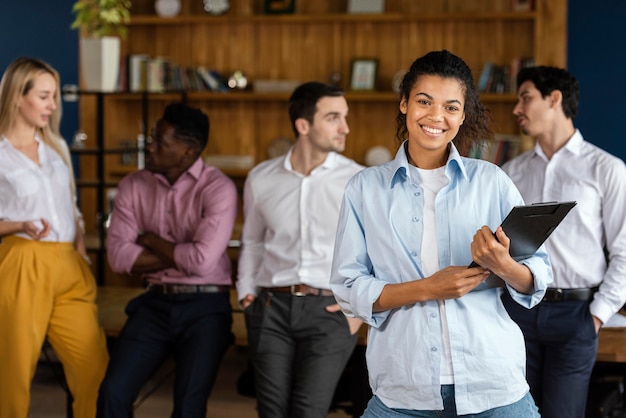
<point>612,345</point>
<point>111,301</point>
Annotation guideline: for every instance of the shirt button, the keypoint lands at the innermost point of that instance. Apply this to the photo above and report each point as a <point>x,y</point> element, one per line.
<point>413,253</point>
<point>415,219</point>
<point>433,349</point>
<point>417,193</point>
<point>433,315</point>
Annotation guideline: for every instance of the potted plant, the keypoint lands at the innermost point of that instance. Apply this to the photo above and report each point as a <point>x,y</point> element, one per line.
<point>101,23</point>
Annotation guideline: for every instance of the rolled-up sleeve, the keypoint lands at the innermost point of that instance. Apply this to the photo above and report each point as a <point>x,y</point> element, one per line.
<point>541,269</point>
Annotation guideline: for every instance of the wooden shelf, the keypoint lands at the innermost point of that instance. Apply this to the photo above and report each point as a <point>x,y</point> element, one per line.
<point>311,44</point>
<point>103,151</point>
<point>251,96</point>
<point>145,20</point>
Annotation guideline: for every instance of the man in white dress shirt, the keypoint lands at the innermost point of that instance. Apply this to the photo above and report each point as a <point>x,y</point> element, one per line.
<point>587,251</point>
<point>299,339</point>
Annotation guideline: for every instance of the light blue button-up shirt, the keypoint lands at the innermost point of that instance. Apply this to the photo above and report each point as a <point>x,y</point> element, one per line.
<point>379,241</point>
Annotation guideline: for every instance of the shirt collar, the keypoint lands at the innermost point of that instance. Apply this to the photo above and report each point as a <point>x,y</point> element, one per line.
<point>400,164</point>
<point>4,141</point>
<point>573,145</point>
<point>329,163</point>
<point>194,170</point>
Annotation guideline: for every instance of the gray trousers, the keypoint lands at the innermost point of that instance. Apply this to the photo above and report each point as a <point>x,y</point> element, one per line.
<point>299,351</point>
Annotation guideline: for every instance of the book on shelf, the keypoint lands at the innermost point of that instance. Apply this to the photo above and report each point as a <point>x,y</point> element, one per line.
<point>212,79</point>
<point>136,71</point>
<point>484,76</point>
<point>501,79</point>
<point>503,148</point>
<point>522,5</point>
<point>156,74</point>
<point>159,74</point>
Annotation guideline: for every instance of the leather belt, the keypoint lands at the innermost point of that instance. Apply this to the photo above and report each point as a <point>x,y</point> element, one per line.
<point>299,290</point>
<point>559,295</point>
<point>174,289</point>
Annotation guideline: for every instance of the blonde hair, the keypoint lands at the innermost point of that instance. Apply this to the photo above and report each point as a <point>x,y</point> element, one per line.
<point>17,80</point>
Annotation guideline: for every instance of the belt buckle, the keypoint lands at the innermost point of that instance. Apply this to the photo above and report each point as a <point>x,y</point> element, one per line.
<point>556,295</point>
<point>294,292</point>
<point>157,288</point>
<point>560,293</point>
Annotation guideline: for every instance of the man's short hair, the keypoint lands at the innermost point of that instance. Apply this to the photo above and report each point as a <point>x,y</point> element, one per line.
<point>547,79</point>
<point>190,124</point>
<point>303,100</point>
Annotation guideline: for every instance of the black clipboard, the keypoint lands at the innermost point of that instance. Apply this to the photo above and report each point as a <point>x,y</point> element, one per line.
<point>528,227</point>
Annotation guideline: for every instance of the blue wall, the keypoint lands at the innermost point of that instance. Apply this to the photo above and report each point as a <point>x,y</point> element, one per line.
<point>40,28</point>
<point>597,57</point>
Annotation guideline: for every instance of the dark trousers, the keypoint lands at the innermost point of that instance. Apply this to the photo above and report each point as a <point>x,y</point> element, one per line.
<point>561,349</point>
<point>299,351</point>
<point>195,328</point>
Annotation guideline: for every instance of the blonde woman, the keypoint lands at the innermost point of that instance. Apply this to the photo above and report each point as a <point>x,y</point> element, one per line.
<point>46,287</point>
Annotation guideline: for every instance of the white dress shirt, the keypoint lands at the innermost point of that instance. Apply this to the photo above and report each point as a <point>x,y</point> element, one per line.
<point>596,180</point>
<point>290,221</point>
<point>29,192</point>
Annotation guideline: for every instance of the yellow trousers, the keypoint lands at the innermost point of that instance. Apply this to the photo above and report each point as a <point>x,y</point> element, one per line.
<point>47,290</point>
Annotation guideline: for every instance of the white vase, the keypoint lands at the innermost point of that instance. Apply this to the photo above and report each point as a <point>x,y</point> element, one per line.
<point>167,8</point>
<point>100,63</point>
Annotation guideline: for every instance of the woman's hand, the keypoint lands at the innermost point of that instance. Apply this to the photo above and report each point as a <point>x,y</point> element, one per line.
<point>492,252</point>
<point>455,281</point>
<point>36,232</point>
<point>449,283</point>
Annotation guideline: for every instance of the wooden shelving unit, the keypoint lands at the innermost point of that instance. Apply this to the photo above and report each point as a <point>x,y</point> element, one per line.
<point>317,40</point>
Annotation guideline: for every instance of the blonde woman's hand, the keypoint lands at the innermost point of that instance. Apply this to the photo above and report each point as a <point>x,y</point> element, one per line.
<point>36,229</point>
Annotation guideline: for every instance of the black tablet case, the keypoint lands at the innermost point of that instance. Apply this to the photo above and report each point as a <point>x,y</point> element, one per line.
<point>528,227</point>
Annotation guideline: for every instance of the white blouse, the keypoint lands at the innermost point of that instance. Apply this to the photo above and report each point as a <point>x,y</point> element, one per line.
<point>29,192</point>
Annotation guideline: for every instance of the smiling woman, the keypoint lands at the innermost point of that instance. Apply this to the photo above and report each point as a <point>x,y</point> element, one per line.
<point>407,231</point>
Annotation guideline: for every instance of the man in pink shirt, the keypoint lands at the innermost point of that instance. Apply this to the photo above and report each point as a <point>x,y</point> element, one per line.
<point>171,223</point>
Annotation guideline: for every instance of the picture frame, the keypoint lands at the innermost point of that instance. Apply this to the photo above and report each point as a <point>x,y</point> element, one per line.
<point>280,6</point>
<point>363,74</point>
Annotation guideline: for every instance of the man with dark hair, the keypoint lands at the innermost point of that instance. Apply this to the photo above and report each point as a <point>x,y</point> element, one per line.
<point>171,223</point>
<point>299,339</point>
<point>588,251</point>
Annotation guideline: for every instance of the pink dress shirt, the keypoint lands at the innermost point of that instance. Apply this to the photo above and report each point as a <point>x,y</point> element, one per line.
<point>197,213</point>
